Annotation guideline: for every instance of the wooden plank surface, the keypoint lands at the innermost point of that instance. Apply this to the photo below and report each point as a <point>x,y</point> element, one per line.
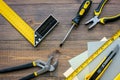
<point>15,50</point>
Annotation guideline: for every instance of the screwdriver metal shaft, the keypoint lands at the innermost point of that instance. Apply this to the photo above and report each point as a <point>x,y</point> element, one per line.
<point>80,14</point>
<point>67,35</point>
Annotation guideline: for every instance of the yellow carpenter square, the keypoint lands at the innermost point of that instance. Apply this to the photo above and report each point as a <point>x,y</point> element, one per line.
<point>32,36</point>
<point>17,22</point>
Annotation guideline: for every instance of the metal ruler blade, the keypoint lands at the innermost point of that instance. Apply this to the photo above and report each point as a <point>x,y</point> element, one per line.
<point>93,56</point>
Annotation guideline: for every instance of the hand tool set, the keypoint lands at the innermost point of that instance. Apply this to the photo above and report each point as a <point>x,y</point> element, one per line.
<point>95,19</point>
<point>94,55</point>
<point>36,36</point>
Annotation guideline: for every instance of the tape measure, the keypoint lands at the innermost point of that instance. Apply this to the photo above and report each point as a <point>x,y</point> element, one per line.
<point>117,77</point>
<point>93,56</point>
<point>33,36</point>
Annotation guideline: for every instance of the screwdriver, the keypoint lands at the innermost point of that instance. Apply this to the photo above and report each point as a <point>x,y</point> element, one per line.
<point>80,14</point>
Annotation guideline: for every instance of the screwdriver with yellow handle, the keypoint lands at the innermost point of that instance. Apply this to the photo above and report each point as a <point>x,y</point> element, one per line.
<point>80,14</point>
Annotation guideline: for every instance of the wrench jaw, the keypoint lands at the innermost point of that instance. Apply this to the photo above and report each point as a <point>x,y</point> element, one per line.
<point>51,66</point>
<point>54,66</point>
<point>94,21</point>
<point>47,66</point>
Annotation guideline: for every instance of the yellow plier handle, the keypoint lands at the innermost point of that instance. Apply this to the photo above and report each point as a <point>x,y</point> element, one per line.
<point>105,20</point>
<point>98,10</point>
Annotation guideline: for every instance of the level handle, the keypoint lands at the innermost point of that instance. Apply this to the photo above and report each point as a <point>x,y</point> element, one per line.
<point>105,20</point>
<point>82,11</point>
<point>20,67</point>
<point>98,10</point>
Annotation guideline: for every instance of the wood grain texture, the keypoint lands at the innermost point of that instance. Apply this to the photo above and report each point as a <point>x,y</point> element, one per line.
<point>15,50</point>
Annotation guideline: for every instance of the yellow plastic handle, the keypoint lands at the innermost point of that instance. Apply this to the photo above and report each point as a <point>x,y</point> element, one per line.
<point>98,10</point>
<point>87,77</point>
<point>105,20</point>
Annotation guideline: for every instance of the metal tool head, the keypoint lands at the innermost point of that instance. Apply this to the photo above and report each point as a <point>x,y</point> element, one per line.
<point>94,21</point>
<point>47,66</point>
<point>50,66</point>
<point>53,66</point>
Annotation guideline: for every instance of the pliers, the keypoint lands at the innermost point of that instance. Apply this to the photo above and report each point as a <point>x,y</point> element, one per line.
<point>103,20</point>
<point>45,67</point>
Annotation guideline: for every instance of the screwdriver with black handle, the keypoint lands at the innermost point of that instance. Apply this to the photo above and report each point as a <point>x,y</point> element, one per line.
<point>80,14</point>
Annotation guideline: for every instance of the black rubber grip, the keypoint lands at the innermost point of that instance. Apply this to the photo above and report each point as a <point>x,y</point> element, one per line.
<point>25,66</point>
<point>111,19</point>
<point>28,77</point>
<point>100,7</point>
<point>82,10</point>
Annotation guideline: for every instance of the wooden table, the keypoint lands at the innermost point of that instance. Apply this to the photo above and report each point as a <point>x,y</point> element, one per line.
<point>16,50</point>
